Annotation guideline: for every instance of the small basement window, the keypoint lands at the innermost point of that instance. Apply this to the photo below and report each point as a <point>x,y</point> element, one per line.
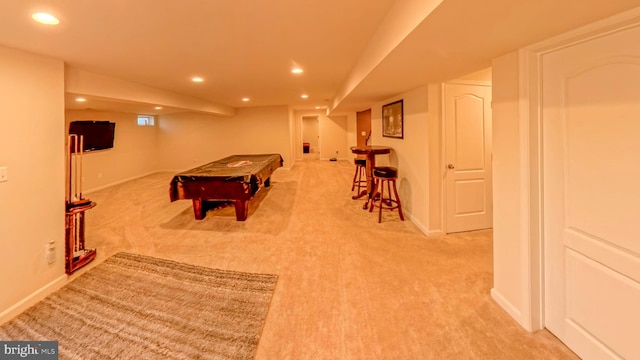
<point>146,120</point>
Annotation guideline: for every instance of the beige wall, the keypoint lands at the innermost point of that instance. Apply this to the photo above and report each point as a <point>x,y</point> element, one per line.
<point>482,75</point>
<point>187,140</point>
<point>333,138</point>
<point>410,154</point>
<point>510,279</point>
<point>435,223</point>
<point>133,154</point>
<point>293,145</point>
<point>32,201</point>
<point>352,138</point>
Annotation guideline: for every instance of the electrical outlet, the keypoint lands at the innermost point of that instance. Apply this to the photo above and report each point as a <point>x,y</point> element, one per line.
<point>3,174</point>
<point>50,252</point>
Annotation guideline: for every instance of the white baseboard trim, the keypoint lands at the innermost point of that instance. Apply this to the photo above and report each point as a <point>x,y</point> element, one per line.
<point>119,182</point>
<point>415,222</point>
<point>425,230</point>
<point>435,233</point>
<point>508,307</point>
<point>420,226</point>
<point>33,298</point>
<point>175,171</point>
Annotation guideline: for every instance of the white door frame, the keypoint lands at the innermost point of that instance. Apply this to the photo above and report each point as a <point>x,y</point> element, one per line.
<point>530,85</point>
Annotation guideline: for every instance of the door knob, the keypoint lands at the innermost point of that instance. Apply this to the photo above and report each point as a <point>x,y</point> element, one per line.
<point>450,166</point>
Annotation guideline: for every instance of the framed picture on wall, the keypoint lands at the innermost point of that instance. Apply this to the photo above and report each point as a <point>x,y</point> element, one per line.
<point>393,120</point>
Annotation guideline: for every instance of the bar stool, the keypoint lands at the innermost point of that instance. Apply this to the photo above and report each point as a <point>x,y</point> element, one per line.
<point>361,172</point>
<point>385,175</point>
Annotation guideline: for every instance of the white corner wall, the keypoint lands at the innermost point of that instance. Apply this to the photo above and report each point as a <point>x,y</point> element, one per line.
<point>133,154</point>
<point>333,137</point>
<point>511,277</point>
<point>32,200</point>
<point>352,138</point>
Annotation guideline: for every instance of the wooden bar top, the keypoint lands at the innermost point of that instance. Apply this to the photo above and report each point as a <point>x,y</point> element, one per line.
<point>370,149</point>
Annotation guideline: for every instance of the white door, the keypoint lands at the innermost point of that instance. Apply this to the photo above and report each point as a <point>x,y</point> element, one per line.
<point>467,123</point>
<point>591,194</point>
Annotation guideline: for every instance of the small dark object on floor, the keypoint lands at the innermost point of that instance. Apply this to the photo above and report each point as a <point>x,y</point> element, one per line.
<point>333,159</point>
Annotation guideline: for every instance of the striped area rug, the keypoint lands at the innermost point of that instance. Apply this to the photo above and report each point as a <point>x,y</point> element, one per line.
<point>139,307</point>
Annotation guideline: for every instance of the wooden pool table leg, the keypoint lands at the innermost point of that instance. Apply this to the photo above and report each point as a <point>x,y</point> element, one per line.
<point>242,209</point>
<point>197,209</point>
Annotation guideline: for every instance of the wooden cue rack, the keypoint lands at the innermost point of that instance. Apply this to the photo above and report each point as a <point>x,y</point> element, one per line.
<point>76,255</point>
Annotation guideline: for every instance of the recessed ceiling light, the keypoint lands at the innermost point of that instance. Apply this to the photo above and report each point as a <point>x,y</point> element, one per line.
<point>304,96</point>
<point>197,79</point>
<point>45,18</point>
<point>158,107</point>
<point>81,99</point>
<point>246,99</point>
<point>297,70</point>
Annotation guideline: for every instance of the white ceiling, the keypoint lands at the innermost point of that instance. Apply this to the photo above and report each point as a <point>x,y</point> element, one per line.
<point>247,48</point>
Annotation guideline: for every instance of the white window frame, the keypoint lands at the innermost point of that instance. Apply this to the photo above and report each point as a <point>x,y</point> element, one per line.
<point>146,120</point>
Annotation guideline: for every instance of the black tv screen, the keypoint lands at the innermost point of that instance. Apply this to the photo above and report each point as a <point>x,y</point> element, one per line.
<point>97,135</point>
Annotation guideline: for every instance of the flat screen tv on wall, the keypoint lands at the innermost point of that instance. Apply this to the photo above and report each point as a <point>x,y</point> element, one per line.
<point>97,135</point>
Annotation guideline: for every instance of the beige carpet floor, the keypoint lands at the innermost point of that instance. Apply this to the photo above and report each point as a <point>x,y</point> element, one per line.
<point>348,287</point>
<point>139,307</point>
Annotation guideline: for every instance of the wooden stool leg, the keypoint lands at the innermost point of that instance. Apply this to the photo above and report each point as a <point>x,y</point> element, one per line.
<point>357,178</point>
<point>373,195</point>
<point>355,175</point>
<point>381,200</point>
<point>389,202</point>
<point>395,191</point>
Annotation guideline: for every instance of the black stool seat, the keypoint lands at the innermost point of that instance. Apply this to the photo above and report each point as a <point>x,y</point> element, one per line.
<point>360,177</point>
<point>388,175</point>
<point>385,171</point>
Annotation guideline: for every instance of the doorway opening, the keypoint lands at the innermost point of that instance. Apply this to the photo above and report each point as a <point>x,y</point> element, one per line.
<point>310,138</point>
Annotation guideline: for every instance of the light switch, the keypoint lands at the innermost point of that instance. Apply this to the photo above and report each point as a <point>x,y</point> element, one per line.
<point>364,133</point>
<point>3,174</point>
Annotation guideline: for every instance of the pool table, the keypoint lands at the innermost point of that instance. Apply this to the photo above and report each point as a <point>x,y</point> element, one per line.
<point>235,178</point>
